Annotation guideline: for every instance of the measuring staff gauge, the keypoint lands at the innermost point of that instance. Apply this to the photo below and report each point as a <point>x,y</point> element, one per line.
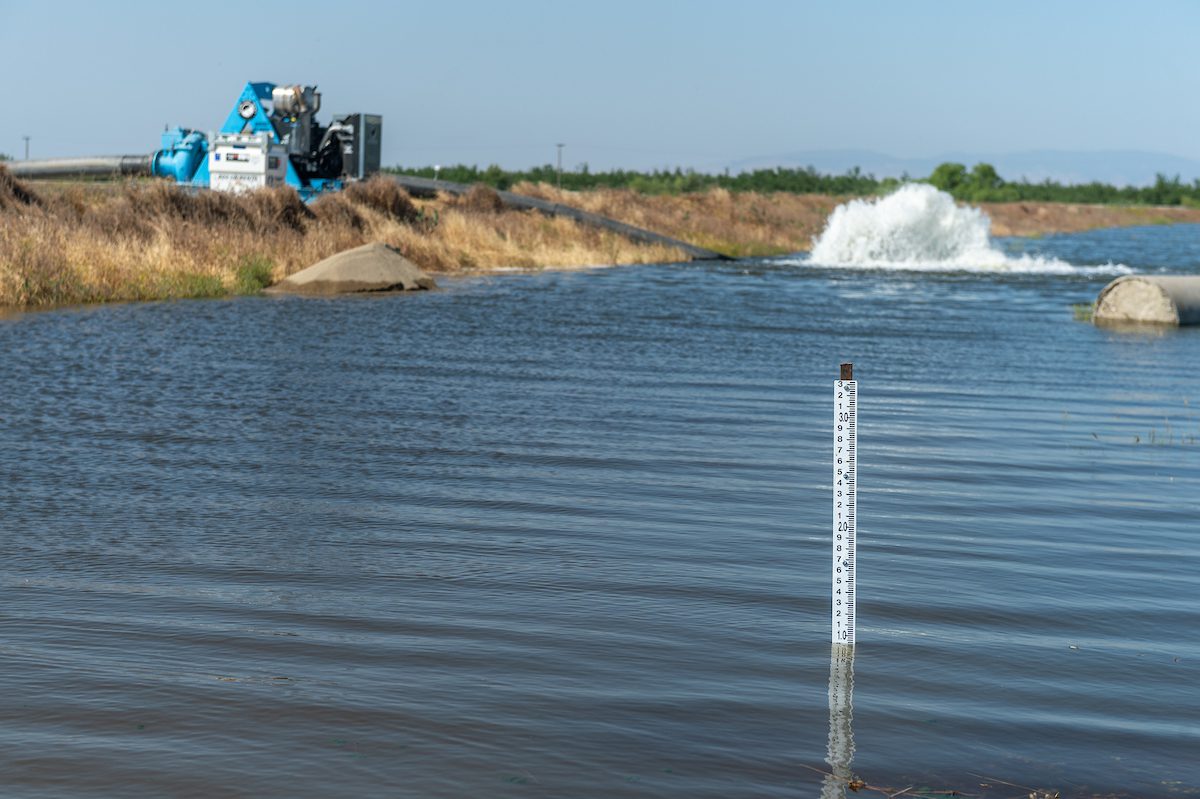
<point>845,502</point>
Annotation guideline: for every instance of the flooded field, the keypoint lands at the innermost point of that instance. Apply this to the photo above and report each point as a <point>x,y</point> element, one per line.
<point>566,534</point>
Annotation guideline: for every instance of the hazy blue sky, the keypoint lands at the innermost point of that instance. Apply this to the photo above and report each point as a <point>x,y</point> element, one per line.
<point>623,83</point>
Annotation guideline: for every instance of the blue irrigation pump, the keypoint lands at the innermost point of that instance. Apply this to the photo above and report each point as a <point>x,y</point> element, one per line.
<point>183,154</point>
<point>271,135</point>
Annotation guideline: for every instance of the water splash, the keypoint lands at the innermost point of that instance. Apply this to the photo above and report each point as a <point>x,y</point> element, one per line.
<point>919,228</point>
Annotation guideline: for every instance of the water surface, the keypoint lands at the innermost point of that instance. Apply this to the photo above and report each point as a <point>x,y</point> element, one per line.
<point>566,534</point>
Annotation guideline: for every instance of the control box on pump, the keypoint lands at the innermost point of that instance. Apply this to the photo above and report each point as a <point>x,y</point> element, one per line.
<point>240,162</point>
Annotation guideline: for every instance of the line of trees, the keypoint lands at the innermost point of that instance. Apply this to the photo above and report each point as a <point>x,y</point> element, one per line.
<point>980,183</point>
<point>663,181</point>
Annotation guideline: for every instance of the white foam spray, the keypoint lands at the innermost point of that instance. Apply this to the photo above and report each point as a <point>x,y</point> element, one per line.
<point>919,228</point>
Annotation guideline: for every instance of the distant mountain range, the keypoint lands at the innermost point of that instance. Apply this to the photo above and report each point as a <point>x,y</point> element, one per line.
<point>1118,167</point>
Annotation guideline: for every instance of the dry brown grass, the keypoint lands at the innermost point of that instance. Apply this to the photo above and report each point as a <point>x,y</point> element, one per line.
<point>740,225</point>
<point>770,224</point>
<point>482,199</point>
<point>15,195</point>
<point>153,240</point>
<point>71,243</point>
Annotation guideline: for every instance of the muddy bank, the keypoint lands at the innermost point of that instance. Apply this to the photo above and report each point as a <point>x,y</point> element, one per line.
<point>1039,219</point>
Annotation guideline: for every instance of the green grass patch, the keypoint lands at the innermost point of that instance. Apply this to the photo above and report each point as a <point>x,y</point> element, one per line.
<point>253,275</point>
<point>194,285</point>
<point>1083,311</point>
<point>174,286</point>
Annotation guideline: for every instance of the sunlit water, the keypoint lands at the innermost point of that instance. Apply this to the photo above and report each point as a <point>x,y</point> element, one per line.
<point>566,535</point>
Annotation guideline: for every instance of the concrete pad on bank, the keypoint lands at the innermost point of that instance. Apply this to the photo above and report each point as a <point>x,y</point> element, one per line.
<point>371,267</point>
<point>1150,299</point>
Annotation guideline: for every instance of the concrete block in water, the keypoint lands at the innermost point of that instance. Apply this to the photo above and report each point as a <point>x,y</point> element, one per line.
<point>371,267</point>
<point>1150,299</point>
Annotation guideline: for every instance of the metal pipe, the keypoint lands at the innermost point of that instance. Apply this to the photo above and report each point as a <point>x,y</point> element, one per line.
<point>97,166</point>
<point>1150,299</point>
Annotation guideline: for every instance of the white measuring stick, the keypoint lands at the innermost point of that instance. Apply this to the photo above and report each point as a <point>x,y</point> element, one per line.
<point>845,493</point>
